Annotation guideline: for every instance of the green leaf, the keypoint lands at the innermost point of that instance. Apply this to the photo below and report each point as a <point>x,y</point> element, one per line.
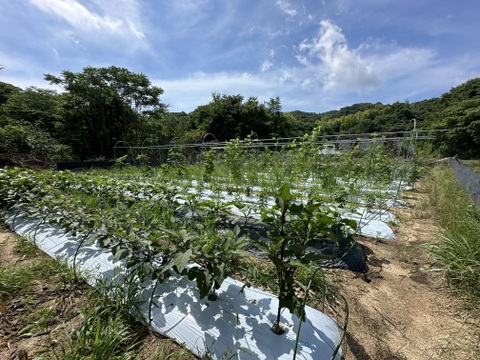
<point>206,248</point>
<point>351,223</point>
<point>181,260</point>
<point>295,263</point>
<point>284,192</point>
<point>120,253</point>
<point>296,248</point>
<point>200,276</point>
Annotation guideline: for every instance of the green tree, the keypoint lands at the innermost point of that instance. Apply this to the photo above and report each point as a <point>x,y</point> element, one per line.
<point>101,106</point>
<point>221,117</point>
<point>301,123</point>
<point>35,107</point>
<point>165,127</point>
<point>6,90</point>
<point>464,120</point>
<point>229,117</point>
<point>279,126</point>
<point>254,119</point>
<point>458,110</point>
<point>28,121</point>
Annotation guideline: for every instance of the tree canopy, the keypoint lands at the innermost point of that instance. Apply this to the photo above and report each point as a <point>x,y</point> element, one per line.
<point>98,107</point>
<point>229,117</point>
<point>101,106</point>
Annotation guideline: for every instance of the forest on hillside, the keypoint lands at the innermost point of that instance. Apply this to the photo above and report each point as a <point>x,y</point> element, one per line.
<point>100,106</point>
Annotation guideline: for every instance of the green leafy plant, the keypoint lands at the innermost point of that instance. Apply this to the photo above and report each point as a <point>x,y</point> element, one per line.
<point>209,165</point>
<point>103,334</point>
<point>177,160</point>
<point>213,249</point>
<point>121,161</point>
<point>458,251</point>
<point>234,159</point>
<point>294,224</point>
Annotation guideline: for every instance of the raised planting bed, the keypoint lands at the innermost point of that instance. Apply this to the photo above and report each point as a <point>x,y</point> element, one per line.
<point>236,324</point>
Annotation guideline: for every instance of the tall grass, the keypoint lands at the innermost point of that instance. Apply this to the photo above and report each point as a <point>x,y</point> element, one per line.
<point>474,164</point>
<point>103,335</point>
<point>459,248</point>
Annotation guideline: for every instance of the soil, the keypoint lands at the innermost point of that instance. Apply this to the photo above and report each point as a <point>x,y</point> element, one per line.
<point>400,309</point>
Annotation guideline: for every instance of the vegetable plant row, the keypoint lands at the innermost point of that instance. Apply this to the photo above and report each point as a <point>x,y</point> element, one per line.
<point>160,221</point>
<point>158,235</point>
<point>371,173</point>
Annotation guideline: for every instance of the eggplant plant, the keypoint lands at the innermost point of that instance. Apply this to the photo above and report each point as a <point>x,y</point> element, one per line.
<point>293,225</point>
<point>209,165</point>
<point>214,250</point>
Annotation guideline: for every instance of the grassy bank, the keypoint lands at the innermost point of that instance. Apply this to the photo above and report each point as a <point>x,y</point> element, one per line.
<point>47,313</point>
<point>459,248</point>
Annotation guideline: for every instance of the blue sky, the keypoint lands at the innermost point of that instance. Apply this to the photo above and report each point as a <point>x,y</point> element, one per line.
<point>315,55</point>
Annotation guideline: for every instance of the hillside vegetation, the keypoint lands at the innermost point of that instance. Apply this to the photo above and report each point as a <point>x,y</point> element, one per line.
<point>101,106</point>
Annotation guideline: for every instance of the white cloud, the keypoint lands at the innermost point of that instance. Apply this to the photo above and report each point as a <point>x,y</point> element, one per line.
<point>339,66</point>
<point>190,6</point>
<point>286,7</point>
<point>286,75</point>
<point>196,89</point>
<point>265,66</point>
<point>302,60</point>
<point>401,62</point>
<point>22,72</point>
<point>134,29</point>
<point>342,6</point>
<point>306,83</point>
<point>78,16</point>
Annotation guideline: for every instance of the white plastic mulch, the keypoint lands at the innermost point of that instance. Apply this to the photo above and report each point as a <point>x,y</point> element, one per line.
<point>236,323</point>
<point>370,222</point>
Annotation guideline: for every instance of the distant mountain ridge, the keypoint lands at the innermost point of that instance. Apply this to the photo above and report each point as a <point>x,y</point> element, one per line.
<point>458,109</point>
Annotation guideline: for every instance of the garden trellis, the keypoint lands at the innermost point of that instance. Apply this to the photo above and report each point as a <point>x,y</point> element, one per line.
<point>157,153</point>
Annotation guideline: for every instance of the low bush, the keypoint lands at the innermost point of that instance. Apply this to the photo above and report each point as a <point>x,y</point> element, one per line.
<point>32,143</point>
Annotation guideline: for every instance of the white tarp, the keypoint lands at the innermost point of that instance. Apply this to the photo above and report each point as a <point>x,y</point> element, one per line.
<point>236,323</point>
<point>370,222</point>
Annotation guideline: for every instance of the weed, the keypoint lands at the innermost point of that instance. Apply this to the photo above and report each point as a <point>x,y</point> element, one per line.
<point>15,281</point>
<point>459,248</point>
<point>103,334</point>
<point>164,352</point>
<point>25,247</point>
<point>38,320</point>
<point>420,209</point>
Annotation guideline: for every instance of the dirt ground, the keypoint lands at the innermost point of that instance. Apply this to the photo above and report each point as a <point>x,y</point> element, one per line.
<point>401,309</point>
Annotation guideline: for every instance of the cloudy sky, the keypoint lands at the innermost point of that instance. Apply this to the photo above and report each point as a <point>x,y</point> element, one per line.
<point>316,55</point>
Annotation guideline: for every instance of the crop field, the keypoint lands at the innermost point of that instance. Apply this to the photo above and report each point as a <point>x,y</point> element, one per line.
<point>272,219</point>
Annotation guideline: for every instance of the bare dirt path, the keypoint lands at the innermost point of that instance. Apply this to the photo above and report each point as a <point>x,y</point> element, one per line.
<point>402,309</point>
